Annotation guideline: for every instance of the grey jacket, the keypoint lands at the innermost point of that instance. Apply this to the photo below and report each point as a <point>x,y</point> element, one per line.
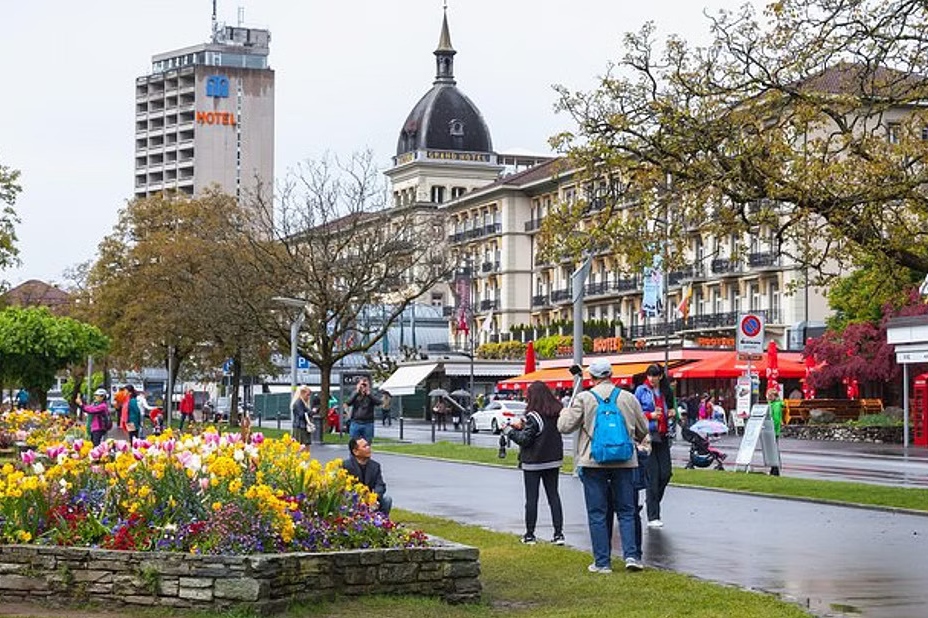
<point>582,415</point>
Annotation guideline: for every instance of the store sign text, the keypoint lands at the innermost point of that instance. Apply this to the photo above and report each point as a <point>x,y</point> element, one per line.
<point>608,344</point>
<point>227,118</point>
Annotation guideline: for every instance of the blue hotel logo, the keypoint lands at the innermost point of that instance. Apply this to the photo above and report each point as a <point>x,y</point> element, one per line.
<point>217,86</point>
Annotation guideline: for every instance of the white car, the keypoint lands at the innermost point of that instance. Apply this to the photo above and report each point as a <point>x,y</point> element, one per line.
<point>495,415</point>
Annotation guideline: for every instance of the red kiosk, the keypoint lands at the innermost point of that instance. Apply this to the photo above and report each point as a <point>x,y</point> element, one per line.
<point>920,411</point>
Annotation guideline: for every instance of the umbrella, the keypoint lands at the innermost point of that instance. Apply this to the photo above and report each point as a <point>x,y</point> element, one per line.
<point>529,357</point>
<point>461,393</point>
<point>709,427</point>
<point>773,366</point>
<point>438,392</point>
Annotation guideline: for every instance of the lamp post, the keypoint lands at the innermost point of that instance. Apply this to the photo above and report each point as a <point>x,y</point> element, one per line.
<point>295,325</point>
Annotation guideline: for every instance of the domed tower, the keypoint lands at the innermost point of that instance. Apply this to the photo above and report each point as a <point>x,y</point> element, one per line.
<point>444,148</point>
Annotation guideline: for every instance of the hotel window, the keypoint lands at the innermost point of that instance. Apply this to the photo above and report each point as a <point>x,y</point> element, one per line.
<point>438,194</point>
<point>457,192</point>
<point>893,132</point>
<point>754,292</point>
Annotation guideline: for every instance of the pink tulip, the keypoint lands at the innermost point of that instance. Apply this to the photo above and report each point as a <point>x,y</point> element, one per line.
<point>28,457</point>
<point>204,484</point>
<point>78,444</point>
<point>257,438</point>
<point>139,455</point>
<point>168,445</point>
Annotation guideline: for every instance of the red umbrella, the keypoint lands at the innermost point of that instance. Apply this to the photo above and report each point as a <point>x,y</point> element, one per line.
<point>807,391</point>
<point>773,366</point>
<point>530,357</point>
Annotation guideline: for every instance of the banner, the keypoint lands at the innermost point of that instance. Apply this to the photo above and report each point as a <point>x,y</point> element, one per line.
<point>462,311</point>
<point>652,301</point>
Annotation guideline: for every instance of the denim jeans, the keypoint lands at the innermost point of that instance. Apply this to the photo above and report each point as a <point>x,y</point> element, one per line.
<point>362,429</point>
<point>600,486</point>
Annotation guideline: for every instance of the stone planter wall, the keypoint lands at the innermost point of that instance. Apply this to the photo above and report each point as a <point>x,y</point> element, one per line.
<point>844,433</point>
<point>265,582</point>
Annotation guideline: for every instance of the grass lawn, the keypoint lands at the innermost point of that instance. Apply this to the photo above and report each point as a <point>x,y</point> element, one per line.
<point>541,581</point>
<point>836,491</point>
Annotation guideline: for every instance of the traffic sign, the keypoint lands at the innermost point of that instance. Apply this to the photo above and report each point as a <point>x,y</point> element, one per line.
<point>749,334</point>
<point>302,363</point>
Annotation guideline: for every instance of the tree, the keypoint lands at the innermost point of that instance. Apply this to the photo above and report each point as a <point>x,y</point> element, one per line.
<point>173,278</point>
<point>9,190</point>
<point>809,127</point>
<point>862,295</point>
<point>860,350</point>
<point>35,345</point>
<point>356,263</point>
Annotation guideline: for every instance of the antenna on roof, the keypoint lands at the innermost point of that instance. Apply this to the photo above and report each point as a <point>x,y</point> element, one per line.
<point>215,22</point>
<point>241,16</point>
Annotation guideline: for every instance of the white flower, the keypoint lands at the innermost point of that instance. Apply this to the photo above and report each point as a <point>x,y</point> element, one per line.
<point>239,455</point>
<point>38,468</point>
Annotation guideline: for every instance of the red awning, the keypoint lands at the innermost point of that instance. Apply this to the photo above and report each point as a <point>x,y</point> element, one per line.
<point>727,365</point>
<point>559,377</point>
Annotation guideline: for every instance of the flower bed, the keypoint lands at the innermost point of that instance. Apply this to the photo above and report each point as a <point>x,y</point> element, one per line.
<point>208,520</point>
<point>36,429</point>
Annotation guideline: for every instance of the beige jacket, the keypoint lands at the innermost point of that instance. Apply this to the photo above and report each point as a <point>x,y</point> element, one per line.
<point>582,415</point>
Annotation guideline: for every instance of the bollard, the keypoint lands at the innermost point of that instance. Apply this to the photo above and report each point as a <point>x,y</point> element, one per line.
<point>433,429</point>
<point>401,426</point>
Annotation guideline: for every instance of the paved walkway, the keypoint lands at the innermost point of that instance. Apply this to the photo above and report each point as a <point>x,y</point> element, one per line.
<point>834,560</point>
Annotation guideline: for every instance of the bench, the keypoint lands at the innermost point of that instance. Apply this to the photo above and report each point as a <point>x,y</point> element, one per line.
<point>796,411</point>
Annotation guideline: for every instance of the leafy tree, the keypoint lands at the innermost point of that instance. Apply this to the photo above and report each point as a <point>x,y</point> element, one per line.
<point>173,278</point>
<point>860,351</point>
<point>806,127</point>
<point>35,345</point>
<point>862,295</point>
<point>355,262</point>
<point>9,190</point>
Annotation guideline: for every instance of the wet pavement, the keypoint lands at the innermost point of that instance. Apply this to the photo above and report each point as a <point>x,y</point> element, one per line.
<point>833,560</point>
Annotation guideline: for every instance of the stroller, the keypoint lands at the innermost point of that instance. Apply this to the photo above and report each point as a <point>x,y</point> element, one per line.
<point>702,455</point>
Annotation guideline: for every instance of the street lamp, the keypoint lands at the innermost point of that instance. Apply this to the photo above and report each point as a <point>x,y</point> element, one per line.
<point>297,323</point>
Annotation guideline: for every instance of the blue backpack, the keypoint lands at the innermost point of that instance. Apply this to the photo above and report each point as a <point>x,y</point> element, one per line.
<point>611,442</point>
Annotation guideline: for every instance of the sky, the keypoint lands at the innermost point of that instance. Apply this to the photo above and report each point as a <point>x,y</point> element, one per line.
<point>347,75</point>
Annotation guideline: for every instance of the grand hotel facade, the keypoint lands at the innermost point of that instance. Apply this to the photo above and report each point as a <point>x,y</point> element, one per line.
<point>445,164</point>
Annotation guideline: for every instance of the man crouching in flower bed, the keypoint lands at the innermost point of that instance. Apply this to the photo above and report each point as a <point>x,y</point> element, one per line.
<point>210,494</point>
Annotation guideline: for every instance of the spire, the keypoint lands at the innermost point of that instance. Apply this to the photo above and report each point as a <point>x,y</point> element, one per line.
<point>444,55</point>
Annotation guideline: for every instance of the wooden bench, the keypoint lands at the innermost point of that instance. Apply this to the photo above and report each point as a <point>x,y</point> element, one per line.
<point>796,411</point>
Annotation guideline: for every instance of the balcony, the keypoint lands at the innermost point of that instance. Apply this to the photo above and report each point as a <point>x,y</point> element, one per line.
<point>725,266</point>
<point>706,322</point>
<point>626,285</point>
<point>489,267</point>
<point>447,311</point>
<point>762,259</point>
<point>596,289</point>
<point>533,225</point>
<point>560,296</point>
<point>540,300</point>
<point>487,305</point>
<point>493,228</point>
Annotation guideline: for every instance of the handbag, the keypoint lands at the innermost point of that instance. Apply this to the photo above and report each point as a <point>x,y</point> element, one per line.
<point>130,427</point>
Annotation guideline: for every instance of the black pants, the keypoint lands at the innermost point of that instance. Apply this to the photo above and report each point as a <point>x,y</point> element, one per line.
<point>659,473</point>
<point>549,477</point>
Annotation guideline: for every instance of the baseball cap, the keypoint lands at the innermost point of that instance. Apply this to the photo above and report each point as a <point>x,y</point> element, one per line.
<point>600,369</point>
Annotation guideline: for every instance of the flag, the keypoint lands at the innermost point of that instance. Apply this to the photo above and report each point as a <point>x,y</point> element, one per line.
<point>923,289</point>
<point>488,322</point>
<point>462,323</point>
<point>683,309</point>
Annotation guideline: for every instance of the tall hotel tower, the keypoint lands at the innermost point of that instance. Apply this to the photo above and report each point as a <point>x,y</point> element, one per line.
<point>205,116</point>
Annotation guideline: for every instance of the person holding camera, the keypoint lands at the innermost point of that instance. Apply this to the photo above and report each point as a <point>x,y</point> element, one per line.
<point>363,405</point>
<point>541,453</point>
<point>656,400</point>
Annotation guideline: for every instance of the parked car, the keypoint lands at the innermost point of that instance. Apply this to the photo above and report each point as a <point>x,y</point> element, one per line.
<point>58,405</point>
<point>495,415</point>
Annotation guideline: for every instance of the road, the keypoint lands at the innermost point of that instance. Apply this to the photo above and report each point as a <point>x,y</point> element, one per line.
<point>877,464</point>
<point>834,560</point>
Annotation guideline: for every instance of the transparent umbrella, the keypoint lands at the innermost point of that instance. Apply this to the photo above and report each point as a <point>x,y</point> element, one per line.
<point>707,427</point>
<point>461,393</point>
<point>438,392</point>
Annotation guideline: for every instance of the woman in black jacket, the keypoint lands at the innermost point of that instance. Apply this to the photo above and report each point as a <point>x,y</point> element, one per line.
<point>541,453</point>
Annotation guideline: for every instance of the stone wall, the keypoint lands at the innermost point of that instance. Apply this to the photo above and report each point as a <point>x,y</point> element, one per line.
<point>844,433</point>
<point>266,582</point>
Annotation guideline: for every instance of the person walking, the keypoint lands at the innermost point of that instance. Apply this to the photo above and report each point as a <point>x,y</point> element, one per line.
<point>130,418</point>
<point>606,482</point>
<point>360,465</point>
<point>97,415</point>
<point>541,453</point>
<point>301,413</point>
<point>655,405</point>
<point>362,405</point>
<point>186,408</point>
<point>775,405</point>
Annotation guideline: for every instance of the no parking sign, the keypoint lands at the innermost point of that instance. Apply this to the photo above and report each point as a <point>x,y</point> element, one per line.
<point>749,334</point>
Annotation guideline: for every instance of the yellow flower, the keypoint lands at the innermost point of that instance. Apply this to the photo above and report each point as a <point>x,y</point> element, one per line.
<point>217,506</point>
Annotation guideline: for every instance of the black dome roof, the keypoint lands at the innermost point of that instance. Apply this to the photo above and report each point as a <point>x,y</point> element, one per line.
<point>444,119</point>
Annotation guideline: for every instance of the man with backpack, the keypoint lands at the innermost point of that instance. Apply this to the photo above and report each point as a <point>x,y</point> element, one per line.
<point>611,422</point>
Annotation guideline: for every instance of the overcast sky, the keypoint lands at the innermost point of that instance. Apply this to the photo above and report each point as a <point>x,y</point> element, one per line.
<point>347,74</point>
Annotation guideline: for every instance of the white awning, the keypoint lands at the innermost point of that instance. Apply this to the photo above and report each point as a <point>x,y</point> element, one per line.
<point>483,369</point>
<point>405,379</point>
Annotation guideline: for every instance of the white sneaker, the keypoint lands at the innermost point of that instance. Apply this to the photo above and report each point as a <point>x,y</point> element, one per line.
<point>633,564</point>
<point>655,523</point>
<point>595,569</point>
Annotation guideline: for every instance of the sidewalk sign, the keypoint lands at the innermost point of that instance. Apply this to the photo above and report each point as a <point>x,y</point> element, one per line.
<point>743,391</point>
<point>758,427</point>
<point>749,334</point>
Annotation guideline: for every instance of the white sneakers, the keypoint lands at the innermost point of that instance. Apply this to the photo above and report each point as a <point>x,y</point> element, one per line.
<point>597,569</point>
<point>655,523</point>
<point>633,564</point>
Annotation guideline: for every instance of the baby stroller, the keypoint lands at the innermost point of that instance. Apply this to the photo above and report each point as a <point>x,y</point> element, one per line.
<point>702,455</point>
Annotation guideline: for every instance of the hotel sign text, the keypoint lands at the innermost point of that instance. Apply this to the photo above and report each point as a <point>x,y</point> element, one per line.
<point>458,156</point>
<point>227,118</point>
